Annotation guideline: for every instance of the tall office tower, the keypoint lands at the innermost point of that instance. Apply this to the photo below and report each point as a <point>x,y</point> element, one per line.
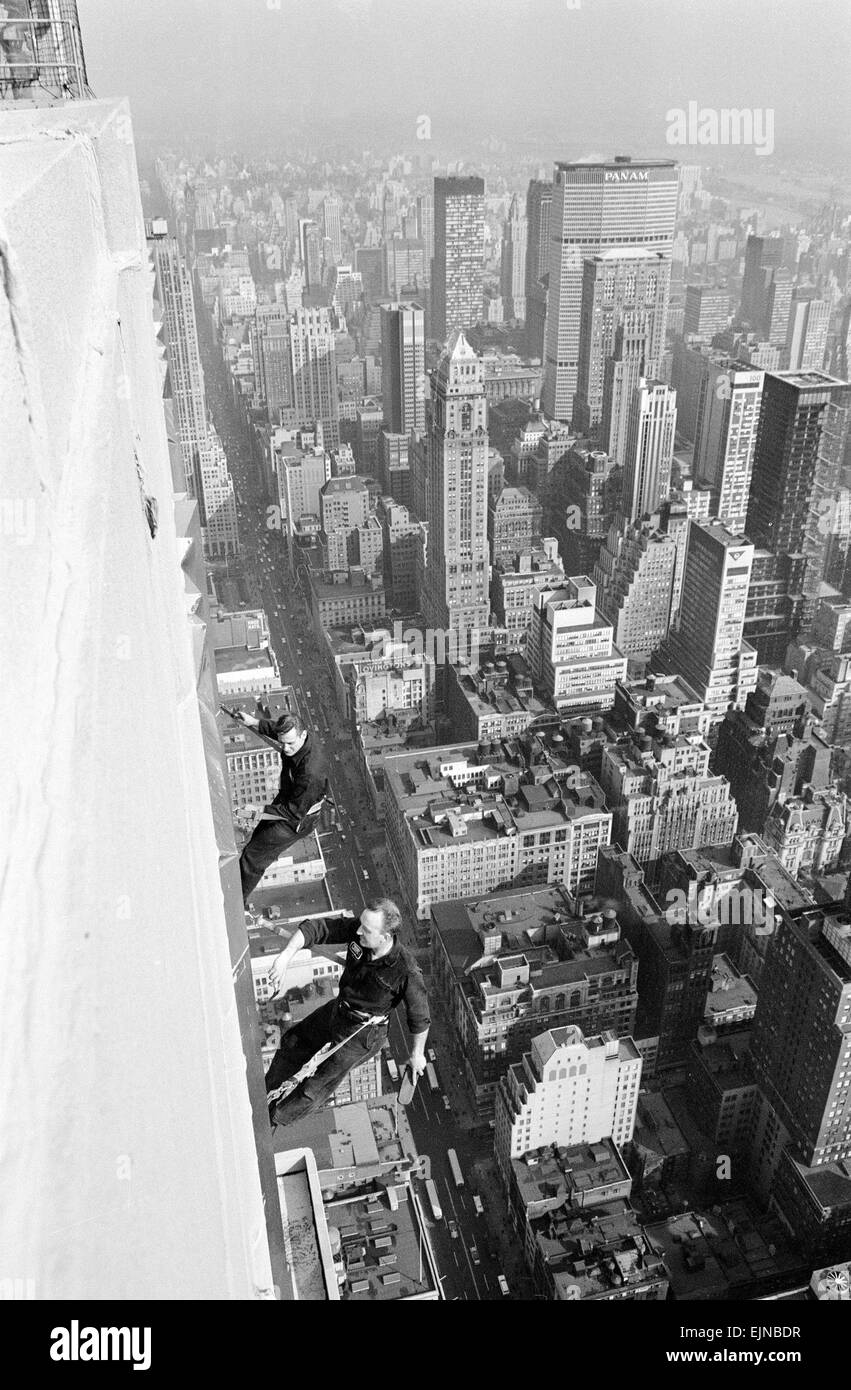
<point>616,284</point>
<point>271,346</point>
<point>425,228</point>
<point>649,451</point>
<point>457,577</point>
<point>569,1089</point>
<point>707,311</point>
<point>801,1039</point>
<point>842,350</point>
<point>459,241</point>
<point>174,291</point>
<point>403,367</point>
<point>725,439</point>
<point>539,197</point>
<point>806,338</point>
<point>219,527</point>
<point>513,268</point>
<point>331,226</point>
<point>622,373</point>
<point>634,575</point>
<point>310,250</point>
<point>571,650</point>
<point>778,307</point>
<point>595,208</point>
<point>406,266</point>
<point>690,176</point>
<point>762,256</point>
<point>803,427</point>
<point>313,371</point>
<point>290,219</point>
<point>706,645</point>
<point>369,261</point>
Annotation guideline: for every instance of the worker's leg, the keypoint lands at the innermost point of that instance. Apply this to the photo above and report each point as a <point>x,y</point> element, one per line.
<point>313,1093</point>
<point>299,1044</point>
<point>269,839</point>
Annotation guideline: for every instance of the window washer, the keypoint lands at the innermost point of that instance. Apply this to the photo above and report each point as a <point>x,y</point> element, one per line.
<point>379,974</point>
<point>294,812</point>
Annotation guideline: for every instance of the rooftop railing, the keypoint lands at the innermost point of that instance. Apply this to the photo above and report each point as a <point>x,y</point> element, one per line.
<point>41,52</point>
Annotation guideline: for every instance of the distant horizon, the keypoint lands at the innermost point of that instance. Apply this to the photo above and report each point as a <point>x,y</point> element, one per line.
<point>550,78</point>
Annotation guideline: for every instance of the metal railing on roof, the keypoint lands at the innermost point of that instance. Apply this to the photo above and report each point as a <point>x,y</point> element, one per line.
<point>41,53</point>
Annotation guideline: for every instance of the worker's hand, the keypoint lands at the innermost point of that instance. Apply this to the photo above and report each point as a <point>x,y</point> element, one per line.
<point>417,1063</point>
<point>277,972</point>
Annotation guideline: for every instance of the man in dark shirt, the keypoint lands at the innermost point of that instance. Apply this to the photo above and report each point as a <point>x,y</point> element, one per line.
<point>295,809</point>
<point>379,974</point>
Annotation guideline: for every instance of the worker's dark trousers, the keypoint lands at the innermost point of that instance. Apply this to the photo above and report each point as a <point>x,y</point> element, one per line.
<point>299,1043</point>
<point>269,839</point>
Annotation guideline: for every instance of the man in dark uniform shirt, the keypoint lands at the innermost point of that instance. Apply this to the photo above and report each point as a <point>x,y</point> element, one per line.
<point>379,974</point>
<point>295,809</point>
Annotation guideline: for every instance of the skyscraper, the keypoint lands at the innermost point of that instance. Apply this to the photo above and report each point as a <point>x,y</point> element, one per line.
<point>806,337</point>
<point>762,256</point>
<point>649,451</point>
<point>513,269</point>
<point>310,250</point>
<point>803,427</point>
<point>707,310</point>
<point>204,461</point>
<point>403,366</point>
<point>539,197</point>
<point>778,306</point>
<point>459,232</point>
<point>425,228</point>
<point>271,344</point>
<point>622,372</point>
<point>801,1041</point>
<point>725,437</point>
<point>597,207</point>
<point>614,284</point>
<point>457,577</point>
<point>406,266</point>
<point>331,223</point>
<point>314,373</point>
<point>706,646</point>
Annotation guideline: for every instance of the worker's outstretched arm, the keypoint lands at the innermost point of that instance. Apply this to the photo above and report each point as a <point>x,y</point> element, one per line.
<point>281,963</point>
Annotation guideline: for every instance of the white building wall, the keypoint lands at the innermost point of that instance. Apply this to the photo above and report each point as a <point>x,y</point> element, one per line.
<point>111,901</point>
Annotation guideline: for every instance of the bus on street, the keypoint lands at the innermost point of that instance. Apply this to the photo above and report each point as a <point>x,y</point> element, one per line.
<point>431,1076</point>
<point>456,1167</point>
<point>431,1191</point>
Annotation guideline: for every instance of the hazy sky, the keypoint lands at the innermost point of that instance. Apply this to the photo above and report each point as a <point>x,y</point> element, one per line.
<point>593,74</point>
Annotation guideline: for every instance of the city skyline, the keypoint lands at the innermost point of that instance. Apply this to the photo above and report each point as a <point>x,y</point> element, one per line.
<point>442,506</point>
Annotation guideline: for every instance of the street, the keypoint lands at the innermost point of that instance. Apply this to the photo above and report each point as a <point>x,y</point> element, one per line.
<point>483,1247</point>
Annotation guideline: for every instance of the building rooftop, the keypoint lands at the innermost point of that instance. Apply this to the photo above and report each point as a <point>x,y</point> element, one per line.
<point>383,1250</point>
<point>727,1059</point>
<point>655,1127</point>
<point>596,1252</point>
<point>230,659</point>
<point>569,1175</point>
<point>541,928</point>
<point>729,992</point>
